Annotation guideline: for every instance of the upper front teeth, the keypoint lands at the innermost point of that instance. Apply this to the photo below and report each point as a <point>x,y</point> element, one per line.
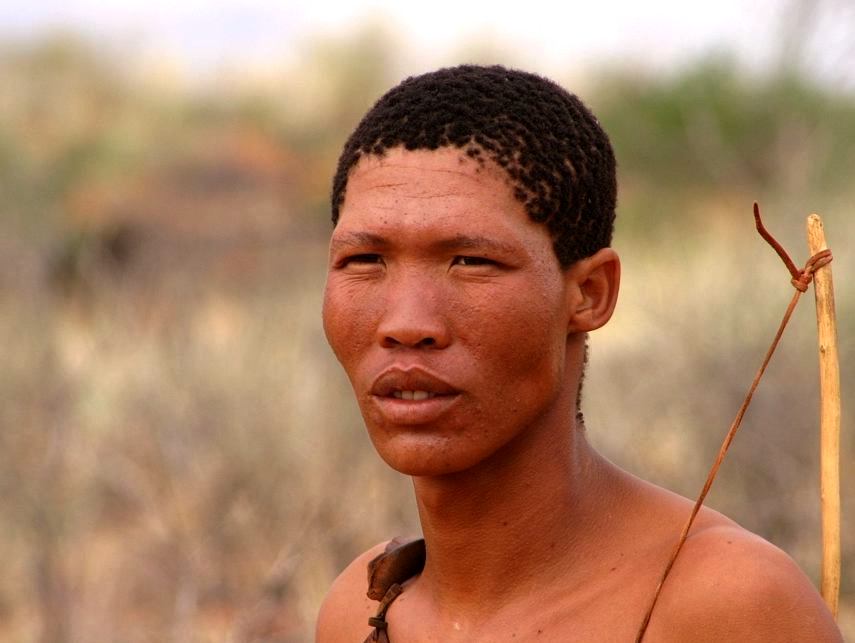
<point>413,395</point>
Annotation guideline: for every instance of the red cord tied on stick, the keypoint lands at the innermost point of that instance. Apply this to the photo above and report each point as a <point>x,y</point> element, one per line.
<point>801,278</point>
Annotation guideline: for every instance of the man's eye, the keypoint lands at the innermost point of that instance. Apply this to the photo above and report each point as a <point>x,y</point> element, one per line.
<point>362,259</point>
<point>463,260</point>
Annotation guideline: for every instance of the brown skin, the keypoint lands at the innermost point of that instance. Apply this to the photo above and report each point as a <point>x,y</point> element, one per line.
<point>438,281</point>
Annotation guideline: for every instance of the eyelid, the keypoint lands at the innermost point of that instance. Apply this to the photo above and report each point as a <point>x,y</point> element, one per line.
<point>473,260</point>
<point>364,258</point>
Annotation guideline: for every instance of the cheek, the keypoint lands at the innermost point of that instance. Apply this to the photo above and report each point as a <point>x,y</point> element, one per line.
<point>345,321</point>
<point>520,326</point>
<point>348,320</point>
<point>523,349</point>
<point>532,348</point>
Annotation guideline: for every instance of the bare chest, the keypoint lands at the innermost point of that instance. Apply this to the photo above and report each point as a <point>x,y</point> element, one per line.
<point>610,611</point>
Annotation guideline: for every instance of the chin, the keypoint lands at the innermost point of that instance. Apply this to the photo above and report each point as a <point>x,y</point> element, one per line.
<point>424,455</point>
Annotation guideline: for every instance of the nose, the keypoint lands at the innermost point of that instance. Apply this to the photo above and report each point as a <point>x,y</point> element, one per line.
<point>414,317</point>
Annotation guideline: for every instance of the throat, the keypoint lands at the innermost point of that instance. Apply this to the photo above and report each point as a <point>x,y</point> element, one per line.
<point>495,536</point>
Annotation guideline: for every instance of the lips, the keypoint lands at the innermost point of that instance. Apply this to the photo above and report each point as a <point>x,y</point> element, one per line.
<point>409,396</point>
<point>400,383</point>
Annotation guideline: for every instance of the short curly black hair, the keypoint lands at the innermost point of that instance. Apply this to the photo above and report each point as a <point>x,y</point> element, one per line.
<point>559,160</point>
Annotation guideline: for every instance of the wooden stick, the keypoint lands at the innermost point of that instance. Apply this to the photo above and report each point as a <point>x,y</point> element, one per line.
<point>829,380</point>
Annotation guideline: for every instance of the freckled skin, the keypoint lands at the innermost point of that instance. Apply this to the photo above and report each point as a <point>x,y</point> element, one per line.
<point>435,269</point>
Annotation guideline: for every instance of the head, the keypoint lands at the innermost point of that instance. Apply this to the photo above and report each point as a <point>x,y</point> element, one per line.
<point>556,157</point>
<point>473,210</point>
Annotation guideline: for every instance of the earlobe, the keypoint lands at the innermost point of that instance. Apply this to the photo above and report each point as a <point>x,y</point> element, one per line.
<point>592,290</point>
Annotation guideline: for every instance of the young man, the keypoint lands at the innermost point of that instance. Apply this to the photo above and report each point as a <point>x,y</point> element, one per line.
<point>474,209</point>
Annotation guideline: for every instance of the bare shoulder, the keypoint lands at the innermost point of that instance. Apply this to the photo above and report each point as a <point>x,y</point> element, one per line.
<point>729,584</point>
<point>345,611</point>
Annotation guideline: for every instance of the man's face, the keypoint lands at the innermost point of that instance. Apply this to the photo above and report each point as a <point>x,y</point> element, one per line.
<point>447,308</point>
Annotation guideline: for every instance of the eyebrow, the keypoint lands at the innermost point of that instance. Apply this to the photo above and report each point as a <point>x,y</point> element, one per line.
<point>359,239</point>
<point>475,242</point>
<point>456,242</point>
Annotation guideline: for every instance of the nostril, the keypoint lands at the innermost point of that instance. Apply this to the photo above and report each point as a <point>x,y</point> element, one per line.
<point>391,342</point>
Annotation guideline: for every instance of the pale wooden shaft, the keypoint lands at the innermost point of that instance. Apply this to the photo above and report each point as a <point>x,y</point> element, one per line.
<point>829,378</point>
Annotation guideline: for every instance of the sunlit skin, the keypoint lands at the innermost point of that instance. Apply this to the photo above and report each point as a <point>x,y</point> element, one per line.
<point>463,339</point>
<point>450,292</point>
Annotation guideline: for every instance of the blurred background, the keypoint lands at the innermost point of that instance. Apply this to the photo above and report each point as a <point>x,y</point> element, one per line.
<point>180,456</point>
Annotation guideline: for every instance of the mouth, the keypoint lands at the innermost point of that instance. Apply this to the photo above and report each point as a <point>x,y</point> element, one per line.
<point>416,396</point>
<point>412,384</point>
<point>410,396</point>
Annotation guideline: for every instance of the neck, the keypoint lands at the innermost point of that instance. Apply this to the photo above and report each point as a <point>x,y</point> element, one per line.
<point>523,517</point>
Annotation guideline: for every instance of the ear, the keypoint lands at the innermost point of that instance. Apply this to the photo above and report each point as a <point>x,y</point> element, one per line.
<point>592,290</point>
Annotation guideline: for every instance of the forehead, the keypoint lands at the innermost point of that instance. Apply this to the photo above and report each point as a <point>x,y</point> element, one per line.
<point>413,195</point>
<point>443,174</point>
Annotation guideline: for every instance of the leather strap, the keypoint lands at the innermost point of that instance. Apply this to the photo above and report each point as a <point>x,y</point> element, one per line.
<point>387,572</point>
